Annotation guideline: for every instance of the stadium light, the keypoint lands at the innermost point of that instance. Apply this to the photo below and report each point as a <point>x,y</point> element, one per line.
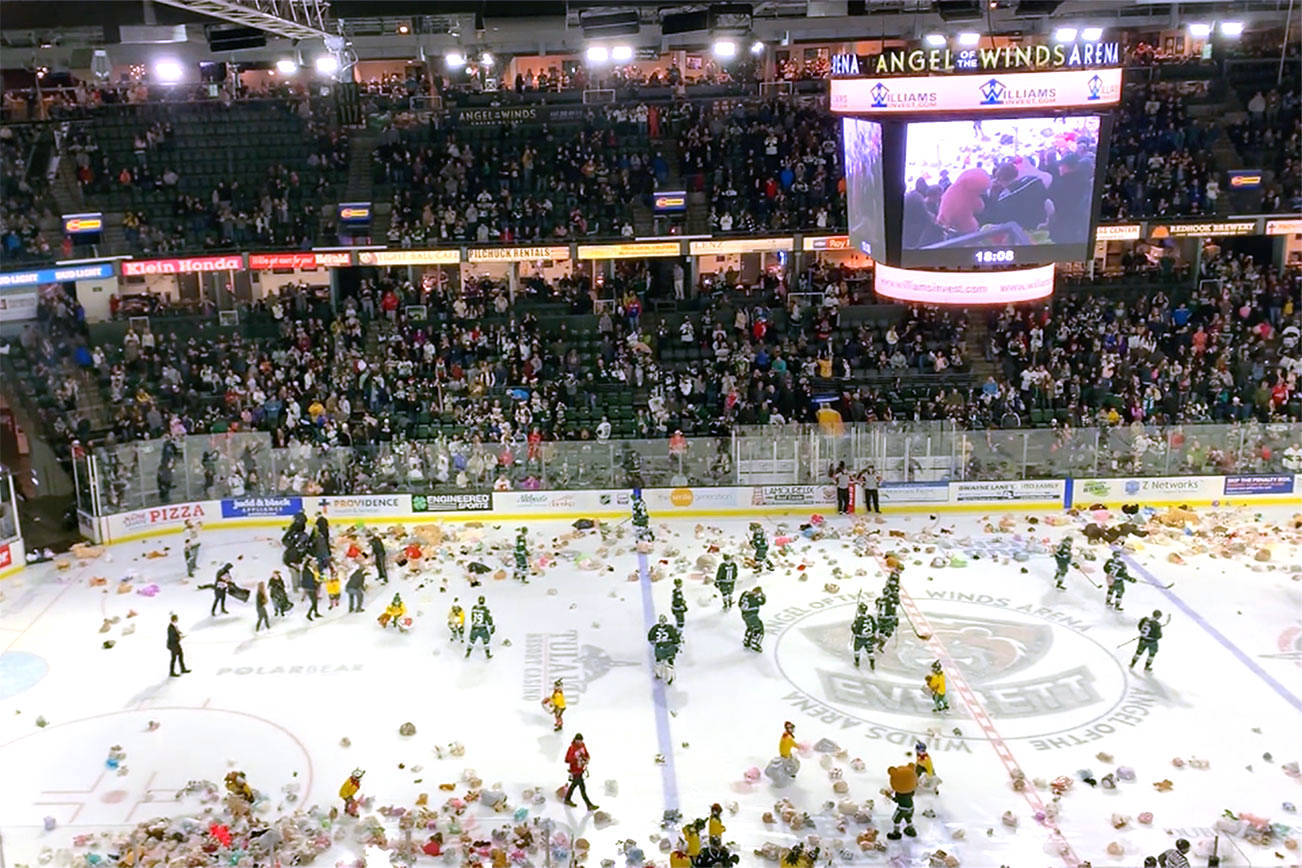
<point>621,53</point>
<point>486,59</point>
<point>934,40</point>
<point>1232,29</point>
<point>1064,34</point>
<point>454,60</point>
<point>168,70</point>
<point>969,39</point>
<point>326,64</point>
<point>598,54</point>
<point>1200,31</point>
<point>757,47</point>
<point>285,66</point>
<point>725,48</point>
<point>1092,34</point>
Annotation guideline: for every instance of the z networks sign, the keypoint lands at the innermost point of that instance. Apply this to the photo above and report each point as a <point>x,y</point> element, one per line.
<point>1079,88</point>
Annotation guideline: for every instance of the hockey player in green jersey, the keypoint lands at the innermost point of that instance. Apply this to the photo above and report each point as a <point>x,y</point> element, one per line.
<point>725,579</point>
<point>863,632</point>
<point>522,555</point>
<point>1115,570</point>
<point>749,603</point>
<point>887,620</point>
<point>665,639</point>
<point>761,546</point>
<point>641,519</point>
<point>1062,556</point>
<point>1150,631</point>
<point>678,604</point>
<point>481,627</point>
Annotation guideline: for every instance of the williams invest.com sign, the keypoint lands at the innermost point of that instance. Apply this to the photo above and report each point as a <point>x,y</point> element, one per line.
<point>1035,669</point>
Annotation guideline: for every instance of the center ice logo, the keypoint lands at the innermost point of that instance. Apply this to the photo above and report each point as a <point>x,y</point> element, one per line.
<point>548,656</point>
<point>1034,676</point>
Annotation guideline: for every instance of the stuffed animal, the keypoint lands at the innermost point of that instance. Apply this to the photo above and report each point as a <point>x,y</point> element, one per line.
<point>960,204</point>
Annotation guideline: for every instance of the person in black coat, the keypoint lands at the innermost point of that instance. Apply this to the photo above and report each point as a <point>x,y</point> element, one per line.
<point>174,645</point>
<point>165,480</point>
<point>279,598</point>
<point>220,586</point>
<point>355,586</point>
<point>321,544</point>
<point>312,587</point>
<point>296,532</point>
<point>381,559</point>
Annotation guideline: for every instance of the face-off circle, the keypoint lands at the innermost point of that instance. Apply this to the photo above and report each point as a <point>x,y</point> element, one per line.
<point>1035,677</point>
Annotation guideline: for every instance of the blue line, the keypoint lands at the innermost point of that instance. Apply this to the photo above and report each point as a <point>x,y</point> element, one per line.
<point>1217,635</point>
<point>668,777</point>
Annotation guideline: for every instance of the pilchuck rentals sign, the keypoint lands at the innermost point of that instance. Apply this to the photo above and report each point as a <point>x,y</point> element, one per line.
<point>1007,58</point>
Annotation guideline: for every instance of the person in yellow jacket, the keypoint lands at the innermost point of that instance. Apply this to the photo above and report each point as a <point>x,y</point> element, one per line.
<point>680,859</point>
<point>786,749</point>
<point>333,589</point>
<point>717,828</point>
<point>348,792</point>
<point>922,765</point>
<point>393,612</point>
<point>556,704</point>
<point>692,835</point>
<point>936,684</point>
<point>457,621</point>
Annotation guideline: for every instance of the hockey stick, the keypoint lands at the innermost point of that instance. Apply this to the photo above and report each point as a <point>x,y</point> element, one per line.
<point>1127,642</point>
<point>1085,576</point>
<point>926,638</point>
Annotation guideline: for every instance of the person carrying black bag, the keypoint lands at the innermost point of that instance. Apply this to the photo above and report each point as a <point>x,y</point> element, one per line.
<point>279,598</point>
<point>220,585</point>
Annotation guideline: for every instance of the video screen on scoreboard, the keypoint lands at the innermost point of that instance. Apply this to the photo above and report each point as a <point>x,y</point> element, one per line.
<point>990,192</point>
<point>864,187</point>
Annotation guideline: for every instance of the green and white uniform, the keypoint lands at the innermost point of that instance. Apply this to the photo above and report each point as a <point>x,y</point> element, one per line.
<point>725,579</point>
<point>760,544</point>
<point>863,632</point>
<point>481,628</point>
<point>1115,570</point>
<point>678,604</point>
<point>749,603</point>
<point>1150,631</point>
<point>522,556</point>
<point>1062,556</point>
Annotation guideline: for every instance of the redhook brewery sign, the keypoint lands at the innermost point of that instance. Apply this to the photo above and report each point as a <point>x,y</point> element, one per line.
<point>903,61</point>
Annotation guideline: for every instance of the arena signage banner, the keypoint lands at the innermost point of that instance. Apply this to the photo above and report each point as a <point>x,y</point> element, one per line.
<point>622,251</point>
<point>1230,227</point>
<point>184,265</point>
<point>964,287</point>
<point>1032,91</point>
<point>16,306</point>
<point>296,259</point>
<point>1118,232</point>
<point>905,61</point>
<point>671,499</point>
<point>489,116</point>
<point>158,518</point>
<point>811,243</point>
<point>365,505</point>
<point>518,254</point>
<point>90,223</point>
<point>739,245</point>
<point>793,495</point>
<point>1290,226</point>
<point>1020,490</point>
<point>60,274</point>
<point>258,507</point>
<point>461,502</point>
<point>1260,483</point>
<point>509,502</point>
<point>912,492</point>
<point>1152,489</point>
<point>408,257</point>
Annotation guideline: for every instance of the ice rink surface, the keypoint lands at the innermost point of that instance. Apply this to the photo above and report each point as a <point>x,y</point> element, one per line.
<point>1038,682</point>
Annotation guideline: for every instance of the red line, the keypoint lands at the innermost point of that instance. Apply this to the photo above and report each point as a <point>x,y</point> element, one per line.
<point>978,712</point>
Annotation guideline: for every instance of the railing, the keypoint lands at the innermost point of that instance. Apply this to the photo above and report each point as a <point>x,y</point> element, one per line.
<point>245,464</point>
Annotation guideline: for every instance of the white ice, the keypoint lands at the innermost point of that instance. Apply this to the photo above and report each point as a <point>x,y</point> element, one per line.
<point>1046,665</point>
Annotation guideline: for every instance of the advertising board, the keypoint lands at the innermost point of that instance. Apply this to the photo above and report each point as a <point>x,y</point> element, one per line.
<point>1017,490</point>
<point>157,518</point>
<point>913,492</point>
<point>1153,489</point>
<point>364,505</point>
<point>460,502</point>
<point>702,499</point>
<point>258,507</point>
<point>1259,483</point>
<point>793,495</point>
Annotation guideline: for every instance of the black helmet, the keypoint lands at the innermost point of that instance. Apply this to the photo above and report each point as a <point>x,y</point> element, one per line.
<point>1157,613</point>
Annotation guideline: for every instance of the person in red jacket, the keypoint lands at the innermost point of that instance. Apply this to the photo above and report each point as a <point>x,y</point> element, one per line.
<point>577,759</point>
